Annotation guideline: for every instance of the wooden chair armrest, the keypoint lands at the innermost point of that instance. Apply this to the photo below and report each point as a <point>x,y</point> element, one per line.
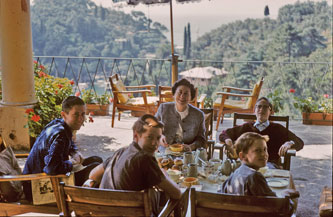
<point>178,206</point>
<point>133,91</point>
<point>234,94</point>
<point>23,155</point>
<point>168,208</point>
<point>287,158</point>
<point>141,86</point>
<point>236,88</point>
<point>201,100</point>
<point>7,178</point>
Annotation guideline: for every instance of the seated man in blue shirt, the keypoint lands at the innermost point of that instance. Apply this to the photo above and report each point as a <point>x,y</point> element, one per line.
<point>50,153</point>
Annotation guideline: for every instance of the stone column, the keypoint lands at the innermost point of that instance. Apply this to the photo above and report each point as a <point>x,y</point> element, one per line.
<point>16,71</point>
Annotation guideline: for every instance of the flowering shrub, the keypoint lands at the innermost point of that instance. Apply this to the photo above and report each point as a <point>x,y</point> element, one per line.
<point>89,97</point>
<point>50,92</point>
<point>309,105</point>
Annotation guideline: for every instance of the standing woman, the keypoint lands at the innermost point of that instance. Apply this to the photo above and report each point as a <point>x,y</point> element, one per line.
<point>183,123</point>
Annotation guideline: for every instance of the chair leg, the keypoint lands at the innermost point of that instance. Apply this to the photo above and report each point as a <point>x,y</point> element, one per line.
<point>219,118</point>
<point>113,115</point>
<point>119,114</point>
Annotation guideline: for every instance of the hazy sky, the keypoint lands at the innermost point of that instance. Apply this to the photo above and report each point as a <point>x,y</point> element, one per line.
<point>203,15</point>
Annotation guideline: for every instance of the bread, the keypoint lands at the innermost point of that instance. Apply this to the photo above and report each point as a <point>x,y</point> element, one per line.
<point>178,162</point>
<point>175,167</point>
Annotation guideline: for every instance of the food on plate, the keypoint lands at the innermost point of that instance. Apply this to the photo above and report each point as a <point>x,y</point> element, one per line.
<point>176,147</point>
<point>165,162</point>
<point>189,181</point>
<point>178,161</point>
<point>175,167</point>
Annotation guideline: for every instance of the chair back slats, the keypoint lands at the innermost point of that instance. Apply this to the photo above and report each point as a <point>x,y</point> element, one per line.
<point>101,210</point>
<point>106,202</point>
<point>218,204</point>
<point>105,197</point>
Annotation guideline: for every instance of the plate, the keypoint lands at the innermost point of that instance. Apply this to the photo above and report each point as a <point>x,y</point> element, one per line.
<point>277,182</point>
<point>279,173</point>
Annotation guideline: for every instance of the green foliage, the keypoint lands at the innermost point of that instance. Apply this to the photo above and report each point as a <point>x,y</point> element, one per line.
<point>50,92</point>
<point>81,28</point>
<point>276,100</point>
<point>89,97</point>
<point>309,105</point>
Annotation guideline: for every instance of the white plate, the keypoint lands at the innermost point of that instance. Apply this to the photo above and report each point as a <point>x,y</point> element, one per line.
<point>279,173</point>
<point>277,182</point>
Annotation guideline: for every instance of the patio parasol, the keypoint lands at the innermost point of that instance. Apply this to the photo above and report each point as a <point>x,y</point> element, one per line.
<point>174,58</point>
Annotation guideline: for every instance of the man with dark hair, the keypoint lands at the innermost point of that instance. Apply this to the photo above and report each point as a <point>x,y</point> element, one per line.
<point>280,140</point>
<point>135,167</point>
<point>50,153</point>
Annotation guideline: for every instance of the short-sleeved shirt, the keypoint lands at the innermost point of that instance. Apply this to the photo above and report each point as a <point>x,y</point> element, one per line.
<point>131,168</point>
<point>247,181</point>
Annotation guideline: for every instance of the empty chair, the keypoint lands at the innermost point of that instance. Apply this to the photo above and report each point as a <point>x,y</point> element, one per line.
<point>224,105</point>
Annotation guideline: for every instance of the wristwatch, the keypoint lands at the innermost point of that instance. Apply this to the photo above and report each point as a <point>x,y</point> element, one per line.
<point>292,142</point>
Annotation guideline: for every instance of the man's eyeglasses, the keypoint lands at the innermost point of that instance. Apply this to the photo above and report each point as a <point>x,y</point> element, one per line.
<point>265,107</point>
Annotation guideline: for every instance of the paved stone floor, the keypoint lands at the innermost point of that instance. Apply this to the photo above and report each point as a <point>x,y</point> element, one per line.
<point>311,169</point>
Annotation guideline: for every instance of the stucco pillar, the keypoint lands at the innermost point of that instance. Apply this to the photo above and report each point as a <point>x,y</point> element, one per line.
<point>16,71</point>
<point>16,53</point>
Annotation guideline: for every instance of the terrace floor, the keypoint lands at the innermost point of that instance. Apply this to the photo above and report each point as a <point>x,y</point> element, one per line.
<point>311,169</point>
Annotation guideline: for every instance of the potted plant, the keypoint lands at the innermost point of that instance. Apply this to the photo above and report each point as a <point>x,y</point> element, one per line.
<point>276,100</point>
<point>315,112</point>
<point>50,92</point>
<point>95,105</point>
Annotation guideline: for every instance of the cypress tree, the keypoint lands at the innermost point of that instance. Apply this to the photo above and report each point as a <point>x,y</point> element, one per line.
<point>266,12</point>
<point>185,42</point>
<point>188,49</point>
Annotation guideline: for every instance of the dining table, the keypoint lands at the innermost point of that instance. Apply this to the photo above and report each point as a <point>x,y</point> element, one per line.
<point>277,179</point>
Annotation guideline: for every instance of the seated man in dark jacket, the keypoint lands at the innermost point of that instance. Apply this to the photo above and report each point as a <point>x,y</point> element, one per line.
<point>280,140</point>
<point>53,147</point>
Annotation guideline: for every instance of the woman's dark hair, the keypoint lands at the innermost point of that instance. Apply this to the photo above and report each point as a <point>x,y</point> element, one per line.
<point>186,83</point>
<point>71,101</point>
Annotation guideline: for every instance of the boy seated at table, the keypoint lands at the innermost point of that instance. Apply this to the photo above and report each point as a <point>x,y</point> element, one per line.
<point>246,180</point>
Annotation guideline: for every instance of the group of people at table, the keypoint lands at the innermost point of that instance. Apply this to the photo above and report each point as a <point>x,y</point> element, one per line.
<point>136,168</point>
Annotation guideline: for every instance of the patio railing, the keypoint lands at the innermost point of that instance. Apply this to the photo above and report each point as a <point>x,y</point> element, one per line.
<point>310,78</point>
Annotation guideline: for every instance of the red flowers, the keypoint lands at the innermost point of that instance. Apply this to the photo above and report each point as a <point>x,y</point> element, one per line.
<point>326,96</point>
<point>71,82</point>
<point>292,90</point>
<point>60,86</point>
<point>91,120</point>
<point>35,118</point>
<point>42,74</point>
<point>29,110</point>
<point>77,94</point>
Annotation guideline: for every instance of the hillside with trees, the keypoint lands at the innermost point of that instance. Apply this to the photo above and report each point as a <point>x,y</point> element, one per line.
<point>81,28</point>
<point>301,33</point>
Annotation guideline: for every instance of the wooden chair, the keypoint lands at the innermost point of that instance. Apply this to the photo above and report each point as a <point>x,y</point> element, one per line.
<point>122,102</point>
<point>252,117</point>
<point>224,105</point>
<point>209,113</point>
<point>165,95</point>
<point>108,202</point>
<point>24,206</point>
<point>220,204</point>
